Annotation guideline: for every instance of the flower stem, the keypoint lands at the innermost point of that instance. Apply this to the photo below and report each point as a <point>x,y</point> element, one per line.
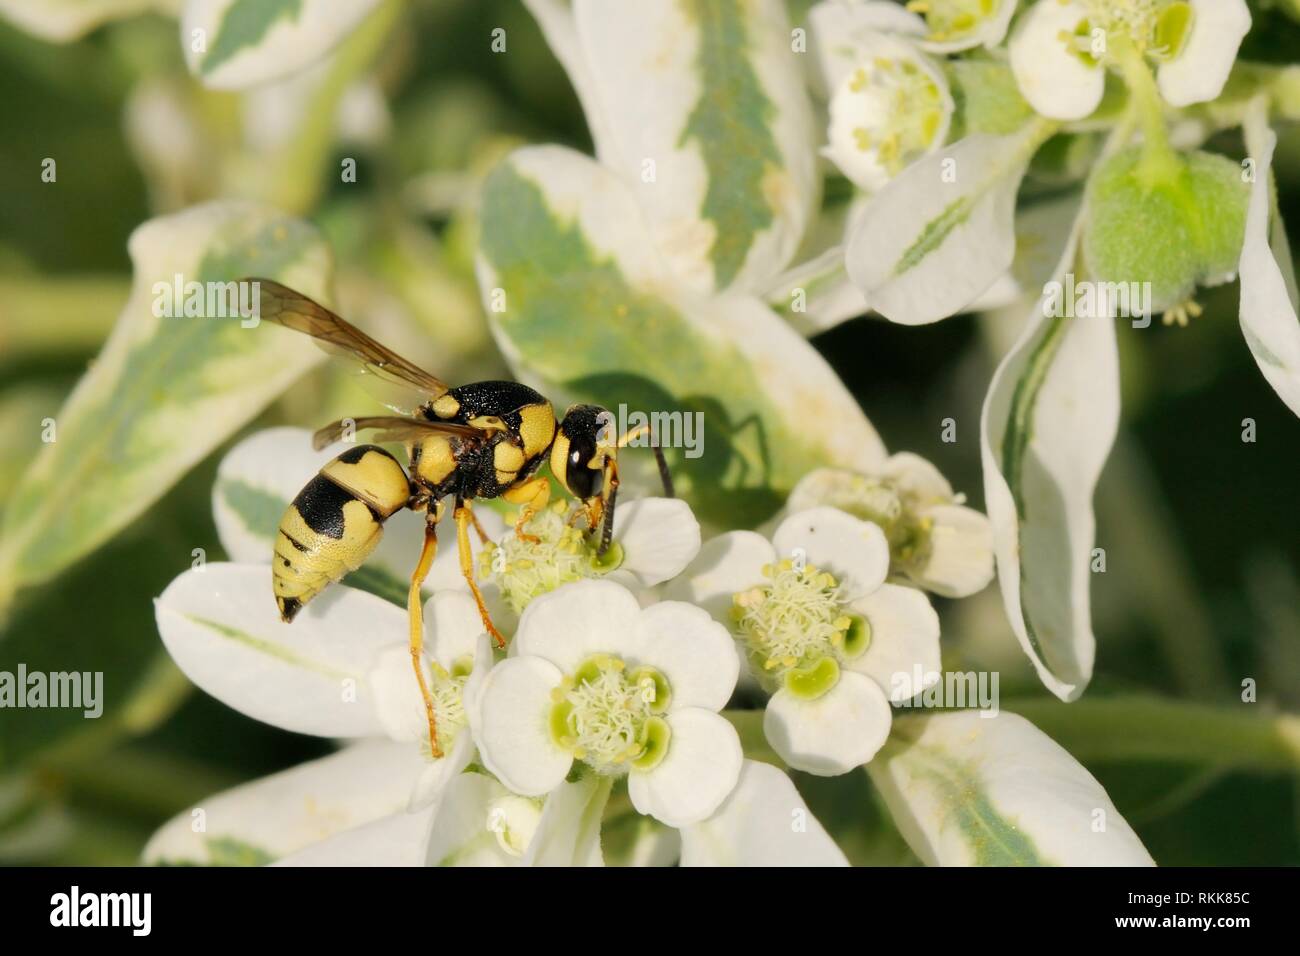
<point>1159,161</point>
<point>1139,728</point>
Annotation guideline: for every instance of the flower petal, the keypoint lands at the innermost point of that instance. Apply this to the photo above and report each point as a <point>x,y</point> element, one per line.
<point>916,476</point>
<point>1199,72</point>
<point>943,231</point>
<point>568,833</point>
<point>1055,81</point>
<point>437,774</point>
<point>461,833</point>
<point>726,564</point>
<point>697,773</point>
<point>576,620</point>
<point>989,31</point>
<point>1268,303</point>
<point>831,735</point>
<point>840,32</point>
<point>960,561</point>
<point>904,640</point>
<point>452,627</point>
<point>278,815</point>
<point>659,537</point>
<point>400,839</point>
<point>970,789</point>
<point>692,650</point>
<point>512,733</point>
<point>221,627</point>
<point>853,550</point>
<point>763,823</point>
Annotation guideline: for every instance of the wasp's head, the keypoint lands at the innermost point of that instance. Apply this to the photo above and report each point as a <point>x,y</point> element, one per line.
<point>581,448</point>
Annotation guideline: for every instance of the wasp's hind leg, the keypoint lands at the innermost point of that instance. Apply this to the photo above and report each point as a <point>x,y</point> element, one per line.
<point>415,611</point>
<point>464,518</point>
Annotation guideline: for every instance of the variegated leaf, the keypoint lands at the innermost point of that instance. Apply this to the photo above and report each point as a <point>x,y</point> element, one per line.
<point>235,44</point>
<point>970,789</point>
<point>702,107</point>
<point>1048,422</point>
<point>937,237</point>
<point>65,20</point>
<point>579,300</point>
<point>270,818</point>
<point>164,391</point>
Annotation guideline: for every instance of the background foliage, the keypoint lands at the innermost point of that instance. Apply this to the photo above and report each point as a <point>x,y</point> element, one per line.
<point>1202,531</point>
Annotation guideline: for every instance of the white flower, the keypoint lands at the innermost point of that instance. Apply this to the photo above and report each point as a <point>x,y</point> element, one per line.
<point>1060,50</point>
<point>653,540</point>
<point>342,669</point>
<point>822,630</point>
<point>935,541</point>
<point>889,103</point>
<point>955,25</point>
<point>596,680</point>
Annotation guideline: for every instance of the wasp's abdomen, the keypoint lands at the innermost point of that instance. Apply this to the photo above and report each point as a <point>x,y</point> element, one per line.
<point>335,523</point>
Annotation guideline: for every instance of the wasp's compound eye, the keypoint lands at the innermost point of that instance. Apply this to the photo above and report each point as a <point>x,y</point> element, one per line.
<point>583,480</point>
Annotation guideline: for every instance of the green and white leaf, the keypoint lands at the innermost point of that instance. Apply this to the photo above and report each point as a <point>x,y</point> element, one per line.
<point>967,789</point>
<point>702,107</point>
<point>1268,286</point>
<point>270,818</point>
<point>63,21</point>
<point>164,391</point>
<point>580,303</point>
<point>938,236</point>
<point>235,44</point>
<point>263,473</point>
<point>1049,419</point>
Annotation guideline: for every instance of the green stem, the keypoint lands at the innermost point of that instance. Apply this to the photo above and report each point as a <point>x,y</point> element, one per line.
<point>1153,729</point>
<point>1159,161</point>
<point>1131,728</point>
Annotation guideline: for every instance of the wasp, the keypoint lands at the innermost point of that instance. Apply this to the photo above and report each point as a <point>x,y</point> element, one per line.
<point>481,440</point>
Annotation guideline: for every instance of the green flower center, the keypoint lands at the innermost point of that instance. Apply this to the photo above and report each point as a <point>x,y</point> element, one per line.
<point>1155,28</point>
<point>896,109</point>
<point>950,20</point>
<point>797,628</point>
<point>553,552</point>
<point>609,716</point>
<point>446,688</point>
<point>898,513</point>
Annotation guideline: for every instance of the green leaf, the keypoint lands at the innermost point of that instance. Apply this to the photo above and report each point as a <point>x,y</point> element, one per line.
<point>970,788</point>
<point>165,391</point>
<point>582,305</point>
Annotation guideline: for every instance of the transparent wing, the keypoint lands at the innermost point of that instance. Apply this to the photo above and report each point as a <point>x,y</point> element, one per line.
<point>293,310</point>
<point>392,428</point>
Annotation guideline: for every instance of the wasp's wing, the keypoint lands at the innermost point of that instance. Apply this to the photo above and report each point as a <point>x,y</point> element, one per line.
<point>293,310</point>
<point>392,428</point>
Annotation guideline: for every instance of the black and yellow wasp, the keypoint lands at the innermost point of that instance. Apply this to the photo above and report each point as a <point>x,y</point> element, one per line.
<point>483,440</point>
